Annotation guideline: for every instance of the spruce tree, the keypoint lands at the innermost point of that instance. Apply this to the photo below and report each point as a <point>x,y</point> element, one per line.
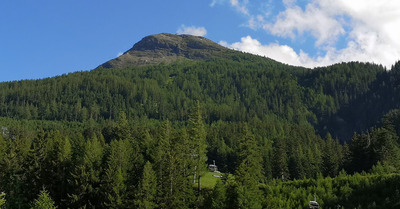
<point>197,138</point>
<point>44,201</point>
<point>86,174</point>
<point>2,199</point>
<point>58,166</point>
<point>146,194</point>
<point>218,196</point>
<point>34,166</point>
<point>163,165</point>
<point>3,148</point>
<point>331,157</point>
<point>249,172</point>
<point>114,182</point>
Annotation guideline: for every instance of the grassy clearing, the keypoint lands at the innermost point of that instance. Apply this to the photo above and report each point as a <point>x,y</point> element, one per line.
<point>208,181</point>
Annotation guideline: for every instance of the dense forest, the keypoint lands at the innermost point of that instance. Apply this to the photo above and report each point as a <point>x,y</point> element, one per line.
<point>142,136</point>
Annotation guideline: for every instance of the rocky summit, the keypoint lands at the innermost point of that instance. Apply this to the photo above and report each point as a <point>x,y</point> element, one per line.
<point>167,48</point>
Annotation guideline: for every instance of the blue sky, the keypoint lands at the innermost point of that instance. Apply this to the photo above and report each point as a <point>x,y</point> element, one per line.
<point>45,38</point>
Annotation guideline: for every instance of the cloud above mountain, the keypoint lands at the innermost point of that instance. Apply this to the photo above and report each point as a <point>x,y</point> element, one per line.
<point>192,30</point>
<point>357,30</point>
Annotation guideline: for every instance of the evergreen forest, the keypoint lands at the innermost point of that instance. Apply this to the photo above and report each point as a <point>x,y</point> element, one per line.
<point>143,136</point>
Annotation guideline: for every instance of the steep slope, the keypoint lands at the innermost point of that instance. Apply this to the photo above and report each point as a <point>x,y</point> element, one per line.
<point>167,48</point>
<point>232,86</point>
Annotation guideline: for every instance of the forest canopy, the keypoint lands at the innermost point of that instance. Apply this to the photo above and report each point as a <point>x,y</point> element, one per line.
<point>142,137</point>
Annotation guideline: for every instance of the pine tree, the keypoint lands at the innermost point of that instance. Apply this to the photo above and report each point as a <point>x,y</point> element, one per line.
<point>44,201</point>
<point>197,138</point>
<point>3,148</point>
<point>146,195</point>
<point>122,130</point>
<point>86,174</point>
<point>3,154</point>
<point>280,160</point>
<point>34,166</point>
<point>385,147</point>
<point>172,161</point>
<point>13,177</point>
<point>114,182</point>
<point>2,199</point>
<point>183,193</point>
<point>331,157</point>
<point>249,172</point>
<point>58,166</point>
<point>218,196</point>
<point>163,165</point>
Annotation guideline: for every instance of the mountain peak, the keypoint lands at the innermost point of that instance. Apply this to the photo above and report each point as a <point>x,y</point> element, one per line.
<point>166,48</point>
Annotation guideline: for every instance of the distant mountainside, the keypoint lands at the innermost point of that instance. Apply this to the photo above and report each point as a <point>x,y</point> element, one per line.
<point>164,74</point>
<point>139,131</point>
<point>167,48</point>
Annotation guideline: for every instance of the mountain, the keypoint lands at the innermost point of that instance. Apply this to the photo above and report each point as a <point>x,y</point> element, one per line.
<point>167,48</point>
<point>164,74</point>
<point>113,137</point>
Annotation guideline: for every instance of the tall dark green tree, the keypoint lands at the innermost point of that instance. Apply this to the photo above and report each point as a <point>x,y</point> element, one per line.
<point>2,199</point>
<point>163,165</point>
<point>147,191</point>
<point>197,138</point>
<point>58,166</point>
<point>43,201</point>
<point>280,160</point>
<point>332,157</point>
<point>86,176</point>
<point>13,176</point>
<point>385,148</point>
<point>172,167</point>
<point>360,149</point>
<point>114,181</point>
<point>249,172</point>
<point>35,166</point>
<point>218,196</point>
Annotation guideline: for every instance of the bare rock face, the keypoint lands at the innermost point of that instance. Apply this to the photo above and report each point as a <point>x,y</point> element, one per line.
<point>166,48</point>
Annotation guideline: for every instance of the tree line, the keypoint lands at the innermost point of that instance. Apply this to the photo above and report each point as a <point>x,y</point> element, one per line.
<point>159,164</point>
<point>332,99</point>
<point>142,137</point>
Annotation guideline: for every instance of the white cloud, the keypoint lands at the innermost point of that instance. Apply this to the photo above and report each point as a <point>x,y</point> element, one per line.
<point>192,30</point>
<point>119,54</point>
<point>289,2</point>
<point>282,53</point>
<point>294,21</point>
<point>240,6</point>
<point>369,28</point>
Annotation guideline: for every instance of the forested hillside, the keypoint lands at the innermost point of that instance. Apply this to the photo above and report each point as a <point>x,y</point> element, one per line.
<point>141,136</point>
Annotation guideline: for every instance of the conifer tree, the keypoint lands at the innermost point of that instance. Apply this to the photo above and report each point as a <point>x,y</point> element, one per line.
<point>218,196</point>
<point>163,165</point>
<point>331,157</point>
<point>197,138</point>
<point>114,183</point>
<point>249,172</point>
<point>57,163</point>
<point>183,192</point>
<point>86,175</point>
<point>122,130</point>
<point>34,165</point>
<point>13,178</point>
<point>280,160</point>
<point>172,161</point>
<point>3,148</point>
<point>44,201</point>
<point>2,199</point>
<point>146,194</point>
